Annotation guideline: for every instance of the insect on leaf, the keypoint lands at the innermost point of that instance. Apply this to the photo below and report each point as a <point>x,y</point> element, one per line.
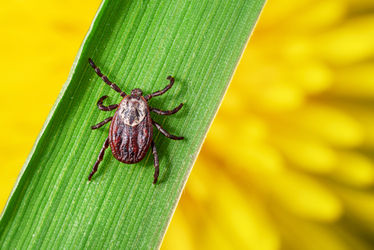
<point>137,44</point>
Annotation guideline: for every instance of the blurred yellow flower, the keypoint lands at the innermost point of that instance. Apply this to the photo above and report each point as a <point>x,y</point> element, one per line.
<point>288,162</point>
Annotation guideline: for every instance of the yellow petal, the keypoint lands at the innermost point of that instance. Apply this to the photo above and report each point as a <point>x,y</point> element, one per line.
<point>306,235</point>
<point>235,146</point>
<point>178,235</point>
<point>197,185</point>
<point>307,153</point>
<point>277,97</point>
<point>312,77</point>
<point>360,207</point>
<point>351,42</point>
<point>360,5</point>
<point>329,12</point>
<point>336,126</point>
<point>9,169</point>
<point>354,169</point>
<point>355,81</point>
<point>304,196</point>
<point>277,11</point>
<point>244,218</point>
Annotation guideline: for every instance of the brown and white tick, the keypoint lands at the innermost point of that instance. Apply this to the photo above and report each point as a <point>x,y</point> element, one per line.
<point>131,131</point>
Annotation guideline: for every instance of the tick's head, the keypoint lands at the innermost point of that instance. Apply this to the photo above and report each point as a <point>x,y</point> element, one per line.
<point>136,92</point>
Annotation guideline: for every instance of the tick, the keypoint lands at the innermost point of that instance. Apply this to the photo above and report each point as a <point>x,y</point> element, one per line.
<point>131,130</point>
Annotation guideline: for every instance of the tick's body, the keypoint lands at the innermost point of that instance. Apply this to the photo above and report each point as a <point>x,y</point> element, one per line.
<point>131,131</point>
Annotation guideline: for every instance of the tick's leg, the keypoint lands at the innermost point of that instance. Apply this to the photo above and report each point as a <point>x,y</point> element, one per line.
<point>155,157</point>
<point>100,124</point>
<point>167,112</point>
<point>99,159</point>
<point>165,133</point>
<point>105,108</point>
<point>160,92</point>
<point>105,78</point>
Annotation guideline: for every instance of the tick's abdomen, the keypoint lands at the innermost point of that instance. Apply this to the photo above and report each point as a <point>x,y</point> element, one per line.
<point>130,133</point>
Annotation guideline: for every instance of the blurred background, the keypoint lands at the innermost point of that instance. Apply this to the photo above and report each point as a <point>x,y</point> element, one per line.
<point>298,172</point>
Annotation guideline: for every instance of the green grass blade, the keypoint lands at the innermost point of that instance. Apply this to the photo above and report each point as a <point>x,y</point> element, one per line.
<point>137,44</point>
